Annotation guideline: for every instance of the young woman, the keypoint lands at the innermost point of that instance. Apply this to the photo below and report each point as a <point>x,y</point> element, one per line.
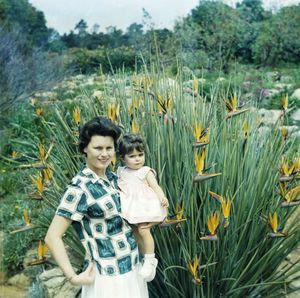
<point>91,204</point>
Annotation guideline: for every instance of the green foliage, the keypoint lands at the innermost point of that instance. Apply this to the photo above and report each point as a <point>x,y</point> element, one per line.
<point>245,260</point>
<point>86,61</point>
<point>278,40</point>
<point>21,15</point>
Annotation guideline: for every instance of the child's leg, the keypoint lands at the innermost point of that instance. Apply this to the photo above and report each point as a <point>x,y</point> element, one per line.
<point>147,241</point>
<point>138,239</point>
<point>148,269</point>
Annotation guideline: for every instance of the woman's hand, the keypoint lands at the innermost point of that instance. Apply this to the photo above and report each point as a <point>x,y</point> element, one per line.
<point>86,277</point>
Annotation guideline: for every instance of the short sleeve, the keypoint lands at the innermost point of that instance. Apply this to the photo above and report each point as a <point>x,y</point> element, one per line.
<point>73,204</point>
<point>142,172</point>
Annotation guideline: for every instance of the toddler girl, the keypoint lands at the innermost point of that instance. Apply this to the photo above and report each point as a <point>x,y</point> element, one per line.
<point>142,199</point>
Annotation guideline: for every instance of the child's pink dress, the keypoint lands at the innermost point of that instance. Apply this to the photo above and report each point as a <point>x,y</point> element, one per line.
<point>139,202</point>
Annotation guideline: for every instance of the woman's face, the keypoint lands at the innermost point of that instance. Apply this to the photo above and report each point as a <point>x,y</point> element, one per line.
<point>100,152</point>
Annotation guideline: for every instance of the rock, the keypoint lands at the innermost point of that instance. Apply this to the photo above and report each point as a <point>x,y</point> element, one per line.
<point>20,281</point>
<point>286,79</point>
<point>263,131</point>
<point>30,255</point>
<point>273,75</point>
<point>269,117</point>
<point>296,94</point>
<point>270,92</point>
<point>282,86</point>
<point>296,134</point>
<point>97,94</point>
<point>12,292</point>
<point>55,284</point>
<point>296,115</point>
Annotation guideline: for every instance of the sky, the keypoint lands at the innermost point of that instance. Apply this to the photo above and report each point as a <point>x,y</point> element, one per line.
<point>63,15</point>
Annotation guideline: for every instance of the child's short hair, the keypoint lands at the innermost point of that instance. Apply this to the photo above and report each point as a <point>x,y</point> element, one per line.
<point>129,142</point>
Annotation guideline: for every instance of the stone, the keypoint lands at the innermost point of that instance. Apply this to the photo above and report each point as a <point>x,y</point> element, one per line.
<point>269,117</point>
<point>273,75</point>
<point>270,92</point>
<point>55,284</point>
<point>20,281</point>
<point>296,115</point>
<point>97,94</point>
<point>286,79</point>
<point>282,86</point>
<point>296,94</point>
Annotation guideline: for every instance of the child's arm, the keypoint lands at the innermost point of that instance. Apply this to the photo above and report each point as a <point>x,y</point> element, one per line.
<point>150,177</point>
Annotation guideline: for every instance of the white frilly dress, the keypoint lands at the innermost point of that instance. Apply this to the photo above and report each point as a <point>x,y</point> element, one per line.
<point>139,202</point>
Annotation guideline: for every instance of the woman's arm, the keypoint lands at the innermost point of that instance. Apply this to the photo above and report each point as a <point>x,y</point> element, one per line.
<point>54,241</point>
<point>151,180</point>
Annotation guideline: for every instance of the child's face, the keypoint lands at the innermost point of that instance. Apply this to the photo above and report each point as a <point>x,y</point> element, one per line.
<point>135,159</point>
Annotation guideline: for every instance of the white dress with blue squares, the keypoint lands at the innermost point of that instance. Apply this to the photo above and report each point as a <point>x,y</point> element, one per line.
<point>93,204</point>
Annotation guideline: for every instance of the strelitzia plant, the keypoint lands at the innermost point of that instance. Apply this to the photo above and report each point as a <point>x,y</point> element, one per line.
<point>285,103</point>
<point>164,105</point>
<point>201,135</point>
<point>39,184</point>
<point>169,221</point>
<point>199,164</point>
<point>273,222</point>
<point>135,128</point>
<point>246,129</point>
<point>15,154</point>
<point>113,112</point>
<point>225,206</point>
<point>28,225</point>
<point>193,267</point>
<point>289,172</point>
<point>42,162</point>
<point>291,196</point>
<point>77,115</point>
<point>212,225</point>
<point>232,108</point>
<point>284,133</point>
<point>47,176</point>
<point>251,175</point>
<point>39,112</point>
<point>41,253</point>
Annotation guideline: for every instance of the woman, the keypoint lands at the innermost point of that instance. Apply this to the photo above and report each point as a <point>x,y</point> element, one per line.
<point>92,205</point>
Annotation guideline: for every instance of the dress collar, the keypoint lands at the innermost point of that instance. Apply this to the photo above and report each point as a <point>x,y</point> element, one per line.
<point>88,173</point>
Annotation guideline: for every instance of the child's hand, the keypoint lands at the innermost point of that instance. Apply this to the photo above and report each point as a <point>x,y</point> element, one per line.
<point>164,202</point>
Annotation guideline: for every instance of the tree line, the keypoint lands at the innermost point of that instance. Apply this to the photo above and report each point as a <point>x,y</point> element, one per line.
<point>212,36</point>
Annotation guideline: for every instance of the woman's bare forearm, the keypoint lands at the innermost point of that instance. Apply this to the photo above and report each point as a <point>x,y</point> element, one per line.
<point>56,245</point>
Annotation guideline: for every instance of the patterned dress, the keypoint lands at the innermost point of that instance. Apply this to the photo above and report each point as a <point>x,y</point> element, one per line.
<point>93,204</point>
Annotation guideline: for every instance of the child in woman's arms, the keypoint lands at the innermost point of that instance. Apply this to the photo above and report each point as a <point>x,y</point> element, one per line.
<point>143,202</point>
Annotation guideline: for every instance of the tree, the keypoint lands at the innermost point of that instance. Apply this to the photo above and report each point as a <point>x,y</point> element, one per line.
<point>81,27</point>
<point>22,73</point>
<point>22,16</point>
<point>278,39</point>
<point>134,35</point>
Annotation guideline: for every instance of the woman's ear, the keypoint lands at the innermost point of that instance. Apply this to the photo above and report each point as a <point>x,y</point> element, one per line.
<point>84,150</point>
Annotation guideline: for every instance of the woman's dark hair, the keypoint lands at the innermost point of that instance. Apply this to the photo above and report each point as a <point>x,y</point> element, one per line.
<point>99,126</point>
<point>129,142</point>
